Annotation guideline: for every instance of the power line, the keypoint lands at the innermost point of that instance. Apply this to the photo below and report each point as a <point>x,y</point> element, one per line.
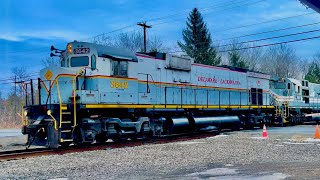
<point>102,34</point>
<point>202,9</point>
<point>246,4</point>
<point>264,45</point>
<point>184,18</point>
<point>12,77</point>
<point>219,5</point>
<point>274,37</point>
<point>265,32</point>
<point>265,22</point>
<point>263,39</point>
<point>273,44</point>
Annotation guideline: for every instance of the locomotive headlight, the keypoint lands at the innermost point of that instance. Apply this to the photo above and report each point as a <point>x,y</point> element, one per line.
<point>49,112</point>
<point>25,112</point>
<point>69,48</point>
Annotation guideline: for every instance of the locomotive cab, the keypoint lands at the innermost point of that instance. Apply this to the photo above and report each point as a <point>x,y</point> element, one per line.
<point>76,56</point>
<point>87,74</point>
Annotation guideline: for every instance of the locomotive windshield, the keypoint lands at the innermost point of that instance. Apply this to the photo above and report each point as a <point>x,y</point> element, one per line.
<point>79,61</point>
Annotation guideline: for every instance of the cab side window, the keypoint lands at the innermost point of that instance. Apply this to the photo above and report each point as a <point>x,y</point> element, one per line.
<point>93,62</point>
<point>120,68</point>
<point>123,69</point>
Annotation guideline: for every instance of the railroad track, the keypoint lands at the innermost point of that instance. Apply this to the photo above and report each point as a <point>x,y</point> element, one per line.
<point>27,153</point>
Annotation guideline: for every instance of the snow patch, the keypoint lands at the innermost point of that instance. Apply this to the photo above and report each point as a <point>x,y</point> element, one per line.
<point>189,142</point>
<point>312,140</point>
<point>228,165</point>
<point>215,172</point>
<point>231,174</point>
<point>259,137</point>
<point>279,145</point>
<point>297,143</point>
<point>217,136</point>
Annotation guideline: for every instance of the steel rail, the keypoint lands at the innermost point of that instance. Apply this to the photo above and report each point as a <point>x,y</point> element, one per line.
<point>27,153</point>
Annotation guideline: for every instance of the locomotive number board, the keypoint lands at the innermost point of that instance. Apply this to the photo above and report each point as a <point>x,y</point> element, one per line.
<point>119,84</point>
<point>81,51</point>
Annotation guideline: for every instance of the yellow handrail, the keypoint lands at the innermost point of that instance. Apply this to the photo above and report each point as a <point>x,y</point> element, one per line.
<point>54,119</point>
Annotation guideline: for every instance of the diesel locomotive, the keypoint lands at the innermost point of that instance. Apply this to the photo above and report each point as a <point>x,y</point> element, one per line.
<point>100,92</point>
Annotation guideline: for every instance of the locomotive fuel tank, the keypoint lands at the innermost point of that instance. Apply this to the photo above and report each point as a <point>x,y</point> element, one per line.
<point>190,124</point>
<point>178,125</point>
<point>220,122</point>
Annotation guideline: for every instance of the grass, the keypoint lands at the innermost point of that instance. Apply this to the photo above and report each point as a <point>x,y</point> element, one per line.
<point>9,125</point>
<point>9,119</point>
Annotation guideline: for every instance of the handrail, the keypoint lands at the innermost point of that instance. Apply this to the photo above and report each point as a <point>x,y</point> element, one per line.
<point>24,121</point>
<point>60,102</point>
<point>74,96</point>
<point>54,119</point>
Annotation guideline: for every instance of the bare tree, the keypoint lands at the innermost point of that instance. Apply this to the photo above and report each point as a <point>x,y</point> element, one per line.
<point>21,73</point>
<point>281,61</point>
<point>253,56</point>
<point>50,62</point>
<point>104,40</point>
<point>155,44</point>
<point>11,106</point>
<point>132,41</point>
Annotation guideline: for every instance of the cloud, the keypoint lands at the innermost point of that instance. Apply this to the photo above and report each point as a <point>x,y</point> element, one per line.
<point>66,35</point>
<point>9,37</point>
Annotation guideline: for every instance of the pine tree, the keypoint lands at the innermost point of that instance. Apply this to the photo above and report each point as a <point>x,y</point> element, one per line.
<point>236,60</point>
<point>198,43</point>
<point>313,74</point>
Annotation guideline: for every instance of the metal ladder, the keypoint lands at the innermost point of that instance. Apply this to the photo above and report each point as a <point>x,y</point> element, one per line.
<point>285,111</point>
<point>66,127</point>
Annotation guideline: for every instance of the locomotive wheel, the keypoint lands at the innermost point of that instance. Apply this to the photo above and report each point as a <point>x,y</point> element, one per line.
<point>236,127</point>
<point>144,135</point>
<point>116,139</point>
<point>65,144</point>
<point>101,139</point>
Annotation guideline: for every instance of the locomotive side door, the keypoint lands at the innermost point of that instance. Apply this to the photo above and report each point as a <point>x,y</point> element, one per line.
<point>256,96</point>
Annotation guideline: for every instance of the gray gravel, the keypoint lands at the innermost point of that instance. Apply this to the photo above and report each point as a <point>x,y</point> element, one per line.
<point>175,160</point>
<point>10,143</point>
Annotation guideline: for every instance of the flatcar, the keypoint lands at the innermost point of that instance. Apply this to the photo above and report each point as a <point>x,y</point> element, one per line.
<point>100,92</point>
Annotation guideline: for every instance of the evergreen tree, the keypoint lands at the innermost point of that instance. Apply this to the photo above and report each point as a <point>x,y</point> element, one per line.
<point>198,43</point>
<point>313,74</point>
<point>236,60</point>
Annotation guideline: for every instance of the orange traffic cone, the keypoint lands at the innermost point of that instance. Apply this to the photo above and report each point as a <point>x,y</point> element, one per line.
<point>317,133</point>
<point>264,132</point>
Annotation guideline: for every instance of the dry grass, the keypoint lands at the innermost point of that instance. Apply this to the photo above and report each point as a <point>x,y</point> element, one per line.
<point>9,118</point>
<point>299,138</point>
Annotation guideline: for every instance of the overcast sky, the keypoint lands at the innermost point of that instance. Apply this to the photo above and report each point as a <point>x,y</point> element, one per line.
<point>29,28</point>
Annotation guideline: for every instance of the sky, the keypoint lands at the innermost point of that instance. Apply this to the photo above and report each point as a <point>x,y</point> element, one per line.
<point>29,28</point>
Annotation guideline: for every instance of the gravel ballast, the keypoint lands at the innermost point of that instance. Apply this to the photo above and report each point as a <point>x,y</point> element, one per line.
<point>239,150</point>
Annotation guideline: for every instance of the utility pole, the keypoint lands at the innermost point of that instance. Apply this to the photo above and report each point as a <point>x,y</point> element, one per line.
<point>145,26</point>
